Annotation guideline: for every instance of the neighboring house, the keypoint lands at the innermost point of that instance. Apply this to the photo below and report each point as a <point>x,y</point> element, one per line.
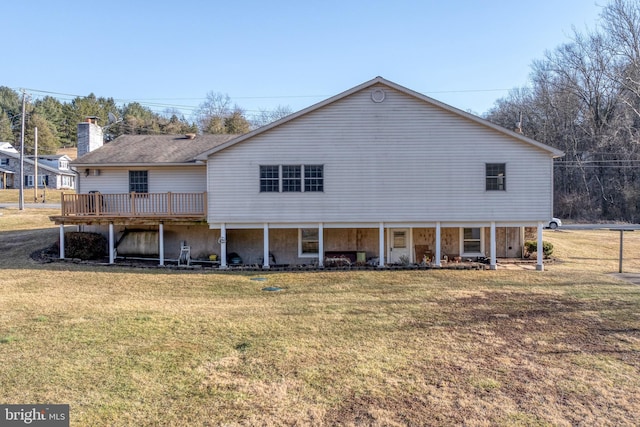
<point>53,170</point>
<point>378,173</point>
<point>6,178</point>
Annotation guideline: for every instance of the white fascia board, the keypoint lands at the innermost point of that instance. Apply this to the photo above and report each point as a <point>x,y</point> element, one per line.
<point>132,165</point>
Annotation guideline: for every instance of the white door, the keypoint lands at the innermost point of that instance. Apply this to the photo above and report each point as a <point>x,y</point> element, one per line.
<point>399,245</point>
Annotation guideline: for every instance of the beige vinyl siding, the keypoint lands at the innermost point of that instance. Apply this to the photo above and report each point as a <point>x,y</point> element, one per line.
<point>399,160</point>
<point>178,180</point>
<point>161,180</point>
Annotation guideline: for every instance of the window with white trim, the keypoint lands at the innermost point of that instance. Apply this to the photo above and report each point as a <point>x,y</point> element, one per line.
<point>4,161</point>
<point>138,182</point>
<point>43,180</point>
<point>269,179</point>
<point>496,176</point>
<point>313,178</point>
<point>308,242</point>
<point>471,241</point>
<point>291,178</point>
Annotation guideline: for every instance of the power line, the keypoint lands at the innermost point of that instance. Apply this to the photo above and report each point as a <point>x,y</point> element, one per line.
<point>145,101</point>
<point>154,107</point>
<point>582,162</point>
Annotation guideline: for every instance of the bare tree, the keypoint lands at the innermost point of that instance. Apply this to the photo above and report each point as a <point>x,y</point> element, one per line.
<point>585,99</point>
<point>621,22</point>
<point>264,117</point>
<point>216,115</point>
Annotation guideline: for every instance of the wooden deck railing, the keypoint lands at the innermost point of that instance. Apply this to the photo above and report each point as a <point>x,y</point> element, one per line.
<point>138,205</point>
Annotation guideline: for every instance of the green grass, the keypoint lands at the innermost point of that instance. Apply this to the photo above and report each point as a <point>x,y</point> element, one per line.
<point>156,347</point>
<point>51,196</point>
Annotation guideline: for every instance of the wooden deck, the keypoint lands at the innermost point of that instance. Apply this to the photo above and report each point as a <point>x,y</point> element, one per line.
<point>138,207</point>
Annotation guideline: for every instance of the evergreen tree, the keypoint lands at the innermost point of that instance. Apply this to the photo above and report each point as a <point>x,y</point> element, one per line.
<point>6,134</point>
<point>52,110</point>
<point>10,111</point>
<point>48,142</point>
<point>139,120</point>
<point>10,102</point>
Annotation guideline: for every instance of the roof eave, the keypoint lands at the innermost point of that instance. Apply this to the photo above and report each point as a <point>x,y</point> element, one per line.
<point>136,164</point>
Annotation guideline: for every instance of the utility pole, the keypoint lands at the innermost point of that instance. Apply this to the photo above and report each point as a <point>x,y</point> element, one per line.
<point>21,192</point>
<point>35,165</point>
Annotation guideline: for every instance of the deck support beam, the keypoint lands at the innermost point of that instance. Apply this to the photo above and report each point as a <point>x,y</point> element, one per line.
<point>381,245</point>
<point>265,246</point>
<point>223,245</point>
<point>438,244</point>
<point>492,247</point>
<point>111,244</point>
<point>61,241</point>
<point>540,249</point>
<point>321,245</point>
<point>161,242</point>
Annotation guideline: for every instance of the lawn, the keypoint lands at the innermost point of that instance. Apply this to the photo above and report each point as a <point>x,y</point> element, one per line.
<point>155,347</point>
<point>48,195</point>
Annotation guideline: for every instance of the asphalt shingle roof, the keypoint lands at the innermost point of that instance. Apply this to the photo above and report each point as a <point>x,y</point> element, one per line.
<point>128,149</point>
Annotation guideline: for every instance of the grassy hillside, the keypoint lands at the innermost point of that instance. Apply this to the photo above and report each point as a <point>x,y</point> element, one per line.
<point>157,347</point>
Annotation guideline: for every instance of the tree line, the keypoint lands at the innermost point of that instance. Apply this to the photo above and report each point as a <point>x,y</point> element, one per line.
<point>583,97</point>
<point>57,121</point>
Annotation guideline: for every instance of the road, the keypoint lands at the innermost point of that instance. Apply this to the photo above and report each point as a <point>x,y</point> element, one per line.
<point>599,227</point>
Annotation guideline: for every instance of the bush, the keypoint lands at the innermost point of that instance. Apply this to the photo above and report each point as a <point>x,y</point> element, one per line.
<point>84,245</point>
<point>531,246</point>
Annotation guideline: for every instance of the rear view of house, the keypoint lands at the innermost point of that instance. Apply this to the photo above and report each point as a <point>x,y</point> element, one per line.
<point>378,174</point>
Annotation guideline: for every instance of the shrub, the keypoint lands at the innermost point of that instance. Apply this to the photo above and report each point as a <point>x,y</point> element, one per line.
<point>531,246</point>
<point>404,260</point>
<point>84,245</point>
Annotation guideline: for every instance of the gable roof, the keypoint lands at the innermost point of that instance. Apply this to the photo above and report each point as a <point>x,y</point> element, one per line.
<point>40,164</point>
<point>51,156</point>
<point>379,80</point>
<point>151,149</point>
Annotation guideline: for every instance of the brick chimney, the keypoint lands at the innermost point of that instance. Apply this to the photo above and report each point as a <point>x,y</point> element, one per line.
<point>89,136</point>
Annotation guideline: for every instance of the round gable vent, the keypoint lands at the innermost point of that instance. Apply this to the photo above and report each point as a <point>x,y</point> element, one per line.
<point>377,95</point>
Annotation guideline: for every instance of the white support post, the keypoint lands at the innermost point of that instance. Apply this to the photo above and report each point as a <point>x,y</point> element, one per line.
<point>61,241</point>
<point>321,245</point>
<point>492,245</point>
<point>223,246</point>
<point>381,245</point>
<point>161,242</point>
<point>540,251</point>
<point>438,245</point>
<point>412,255</point>
<point>111,243</point>
<point>265,246</point>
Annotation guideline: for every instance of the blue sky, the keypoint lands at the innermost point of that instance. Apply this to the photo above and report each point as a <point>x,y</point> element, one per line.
<point>466,53</point>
